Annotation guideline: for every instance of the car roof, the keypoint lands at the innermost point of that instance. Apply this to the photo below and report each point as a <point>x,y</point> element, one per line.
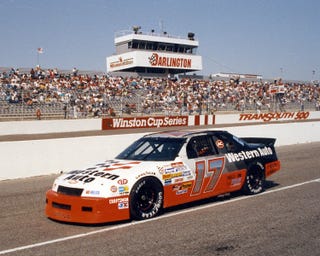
<point>183,133</point>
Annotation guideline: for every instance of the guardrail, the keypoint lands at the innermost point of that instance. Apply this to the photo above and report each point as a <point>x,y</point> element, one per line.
<point>136,122</point>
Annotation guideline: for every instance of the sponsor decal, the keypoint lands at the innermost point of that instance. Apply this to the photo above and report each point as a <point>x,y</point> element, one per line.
<point>177,180</point>
<point>220,144</point>
<point>122,181</point>
<point>113,189</point>
<point>183,191</point>
<point>236,181</point>
<point>118,200</point>
<point>179,166</point>
<point>274,116</point>
<point>117,166</point>
<point>123,205</point>
<point>167,182</point>
<point>145,174</point>
<point>175,173</point>
<point>272,167</point>
<point>244,155</point>
<point>162,61</point>
<point>92,192</point>
<point>182,188</point>
<point>172,168</point>
<point>105,164</point>
<point>144,122</point>
<point>171,175</point>
<point>186,173</point>
<point>123,190</point>
<point>72,181</point>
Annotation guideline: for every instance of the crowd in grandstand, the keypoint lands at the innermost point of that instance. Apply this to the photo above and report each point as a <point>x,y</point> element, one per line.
<point>93,95</point>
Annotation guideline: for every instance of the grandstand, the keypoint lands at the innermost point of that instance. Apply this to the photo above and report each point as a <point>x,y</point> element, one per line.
<point>87,96</point>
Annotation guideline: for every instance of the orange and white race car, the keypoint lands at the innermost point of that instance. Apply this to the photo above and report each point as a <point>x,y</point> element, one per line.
<point>161,170</point>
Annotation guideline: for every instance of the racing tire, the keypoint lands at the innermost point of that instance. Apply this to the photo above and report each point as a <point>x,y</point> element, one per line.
<point>146,199</point>
<point>254,182</point>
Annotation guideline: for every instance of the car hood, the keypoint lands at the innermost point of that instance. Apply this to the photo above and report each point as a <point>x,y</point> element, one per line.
<point>110,178</point>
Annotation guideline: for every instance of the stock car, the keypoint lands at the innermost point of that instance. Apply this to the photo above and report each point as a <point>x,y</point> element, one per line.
<point>162,170</point>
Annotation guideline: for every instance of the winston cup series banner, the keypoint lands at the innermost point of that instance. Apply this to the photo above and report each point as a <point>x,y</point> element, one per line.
<point>155,122</point>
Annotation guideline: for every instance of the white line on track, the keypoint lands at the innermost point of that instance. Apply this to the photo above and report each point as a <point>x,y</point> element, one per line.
<point>133,223</point>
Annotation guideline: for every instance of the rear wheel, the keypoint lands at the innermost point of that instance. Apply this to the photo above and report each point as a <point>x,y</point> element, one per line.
<point>146,198</point>
<point>254,183</point>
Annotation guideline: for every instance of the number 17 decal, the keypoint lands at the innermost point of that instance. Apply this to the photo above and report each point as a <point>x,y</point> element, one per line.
<point>207,169</point>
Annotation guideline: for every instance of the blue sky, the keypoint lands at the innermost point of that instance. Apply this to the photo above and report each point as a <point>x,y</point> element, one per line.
<point>269,37</point>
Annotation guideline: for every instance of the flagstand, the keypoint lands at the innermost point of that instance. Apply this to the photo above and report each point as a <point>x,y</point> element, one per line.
<point>39,51</point>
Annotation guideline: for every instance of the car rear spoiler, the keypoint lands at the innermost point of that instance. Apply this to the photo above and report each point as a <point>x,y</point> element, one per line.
<point>257,140</point>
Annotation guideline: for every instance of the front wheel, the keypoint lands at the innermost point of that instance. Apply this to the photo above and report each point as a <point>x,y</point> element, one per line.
<point>146,198</point>
<point>254,182</point>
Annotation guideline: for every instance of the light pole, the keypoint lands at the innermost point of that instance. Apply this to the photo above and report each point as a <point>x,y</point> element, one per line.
<point>281,72</point>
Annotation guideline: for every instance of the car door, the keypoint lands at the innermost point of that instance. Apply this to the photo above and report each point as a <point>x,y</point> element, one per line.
<point>206,164</point>
<point>210,172</point>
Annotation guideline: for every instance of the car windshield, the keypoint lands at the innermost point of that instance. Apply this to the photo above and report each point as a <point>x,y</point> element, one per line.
<point>153,149</point>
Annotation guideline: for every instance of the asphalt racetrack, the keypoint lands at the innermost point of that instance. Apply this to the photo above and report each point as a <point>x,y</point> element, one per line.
<point>284,220</point>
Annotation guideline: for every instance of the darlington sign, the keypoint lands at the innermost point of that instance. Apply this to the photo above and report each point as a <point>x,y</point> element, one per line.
<point>144,122</point>
<point>166,61</point>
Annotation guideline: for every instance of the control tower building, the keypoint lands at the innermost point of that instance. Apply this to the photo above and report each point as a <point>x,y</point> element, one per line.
<point>152,53</point>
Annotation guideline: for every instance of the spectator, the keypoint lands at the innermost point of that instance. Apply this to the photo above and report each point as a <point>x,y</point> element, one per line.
<point>94,95</point>
<point>38,114</point>
<point>75,72</point>
<point>65,111</point>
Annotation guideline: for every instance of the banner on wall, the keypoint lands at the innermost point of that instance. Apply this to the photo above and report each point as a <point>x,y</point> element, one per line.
<point>267,117</point>
<point>156,122</point>
<point>274,116</point>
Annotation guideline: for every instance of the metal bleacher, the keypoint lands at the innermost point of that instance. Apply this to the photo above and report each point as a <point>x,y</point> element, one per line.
<point>21,111</point>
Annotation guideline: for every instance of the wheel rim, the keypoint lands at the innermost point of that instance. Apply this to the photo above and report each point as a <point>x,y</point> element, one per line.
<point>146,199</point>
<point>255,179</point>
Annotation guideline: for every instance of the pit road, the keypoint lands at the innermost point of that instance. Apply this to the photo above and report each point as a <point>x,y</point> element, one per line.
<point>284,220</point>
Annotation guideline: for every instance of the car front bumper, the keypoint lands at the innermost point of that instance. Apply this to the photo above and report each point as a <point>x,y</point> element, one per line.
<point>87,210</point>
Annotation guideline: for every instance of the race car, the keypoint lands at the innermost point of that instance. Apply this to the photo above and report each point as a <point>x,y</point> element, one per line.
<point>162,170</point>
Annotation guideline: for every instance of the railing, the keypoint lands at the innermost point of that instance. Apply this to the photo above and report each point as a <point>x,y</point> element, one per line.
<point>130,32</point>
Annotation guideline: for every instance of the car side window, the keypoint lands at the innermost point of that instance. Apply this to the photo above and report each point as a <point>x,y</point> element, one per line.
<point>200,146</point>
